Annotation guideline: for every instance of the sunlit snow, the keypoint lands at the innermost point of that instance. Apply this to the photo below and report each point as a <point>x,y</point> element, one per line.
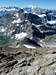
<point>20,35</point>
<point>42,15</point>
<point>29,46</point>
<point>17,21</point>
<point>52,22</point>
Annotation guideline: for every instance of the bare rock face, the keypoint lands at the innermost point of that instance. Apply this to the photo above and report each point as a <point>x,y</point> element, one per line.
<point>24,61</point>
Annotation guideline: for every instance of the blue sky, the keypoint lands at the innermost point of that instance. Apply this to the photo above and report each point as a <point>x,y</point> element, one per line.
<point>25,3</point>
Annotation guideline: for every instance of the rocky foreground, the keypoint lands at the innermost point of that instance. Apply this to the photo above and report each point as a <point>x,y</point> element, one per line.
<point>24,61</point>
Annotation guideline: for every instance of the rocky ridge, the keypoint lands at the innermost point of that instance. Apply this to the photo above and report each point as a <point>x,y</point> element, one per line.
<point>24,61</point>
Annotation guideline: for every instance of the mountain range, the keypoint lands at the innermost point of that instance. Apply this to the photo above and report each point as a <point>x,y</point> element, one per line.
<point>33,24</point>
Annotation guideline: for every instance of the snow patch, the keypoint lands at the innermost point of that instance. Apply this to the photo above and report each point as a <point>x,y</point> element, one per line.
<point>29,46</point>
<point>42,15</point>
<point>34,13</point>
<point>16,15</point>
<point>17,21</point>
<point>52,22</point>
<point>25,12</point>
<point>2,29</point>
<point>20,35</point>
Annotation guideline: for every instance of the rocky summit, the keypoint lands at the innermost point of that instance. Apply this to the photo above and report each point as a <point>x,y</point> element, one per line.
<point>22,61</point>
